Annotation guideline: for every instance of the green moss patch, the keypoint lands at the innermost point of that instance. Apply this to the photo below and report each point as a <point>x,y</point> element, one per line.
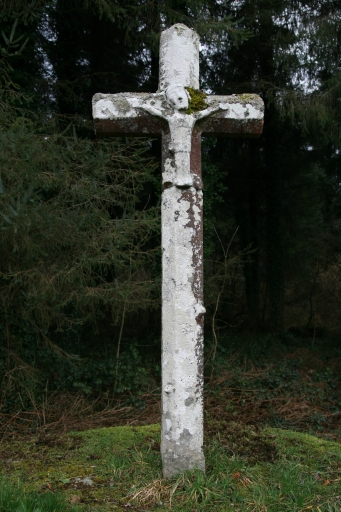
<point>197,100</point>
<point>299,445</point>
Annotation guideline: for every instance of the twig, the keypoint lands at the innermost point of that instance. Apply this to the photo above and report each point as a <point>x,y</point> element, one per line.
<point>119,345</point>
<point>215,345</point>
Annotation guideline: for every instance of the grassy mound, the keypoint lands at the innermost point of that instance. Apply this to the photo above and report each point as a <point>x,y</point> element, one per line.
<point>270,470</point>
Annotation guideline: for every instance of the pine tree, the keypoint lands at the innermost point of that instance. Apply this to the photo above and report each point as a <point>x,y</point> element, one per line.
<point>275,174</point>
<point>76,242</point>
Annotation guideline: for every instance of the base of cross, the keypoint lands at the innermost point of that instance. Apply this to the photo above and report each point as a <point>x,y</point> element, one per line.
<point>173,465</point>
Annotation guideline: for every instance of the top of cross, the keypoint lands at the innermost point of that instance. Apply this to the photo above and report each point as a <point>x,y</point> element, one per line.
<point>139,113</point>
<point>179,57</point>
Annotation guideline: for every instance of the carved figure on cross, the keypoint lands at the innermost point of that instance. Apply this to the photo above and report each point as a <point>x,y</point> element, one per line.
<point>181,128</point>
<point>164,113</point>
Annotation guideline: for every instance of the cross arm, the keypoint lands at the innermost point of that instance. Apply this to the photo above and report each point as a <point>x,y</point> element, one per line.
<point>128,113</point>
<point>239,115</point>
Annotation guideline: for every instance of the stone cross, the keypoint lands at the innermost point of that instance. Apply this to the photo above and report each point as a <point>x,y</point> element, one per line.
<point>164,113</point>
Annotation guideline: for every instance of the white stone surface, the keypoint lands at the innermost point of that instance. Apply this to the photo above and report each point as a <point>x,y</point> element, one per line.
<point>182,381</point>
<point>232,107</point>
<point>123,105</point>
<point>179,57</point>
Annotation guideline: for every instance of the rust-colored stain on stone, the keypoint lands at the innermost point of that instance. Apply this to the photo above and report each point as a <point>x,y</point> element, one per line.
<point>196,159</point>
<point>141,126</point>
<point>226,127</point>
<point>146,125</point>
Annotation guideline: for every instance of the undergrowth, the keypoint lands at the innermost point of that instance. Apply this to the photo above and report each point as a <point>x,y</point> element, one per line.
<point>288,383</point>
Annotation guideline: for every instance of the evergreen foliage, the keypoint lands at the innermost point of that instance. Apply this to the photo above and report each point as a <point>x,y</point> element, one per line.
<point>77,233</point>
<point>276,184</point>
<point>79,217</point>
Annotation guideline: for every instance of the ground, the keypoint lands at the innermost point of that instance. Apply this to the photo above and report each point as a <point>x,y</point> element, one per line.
<point>260,411</point>
<point>119,468</point>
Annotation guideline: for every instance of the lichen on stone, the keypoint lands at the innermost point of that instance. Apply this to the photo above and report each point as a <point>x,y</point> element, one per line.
<point>247,97</point>
<point>196,100</point>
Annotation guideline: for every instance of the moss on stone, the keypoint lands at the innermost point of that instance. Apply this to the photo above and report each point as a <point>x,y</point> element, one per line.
<point>246,97</point>
<point>197,100</point>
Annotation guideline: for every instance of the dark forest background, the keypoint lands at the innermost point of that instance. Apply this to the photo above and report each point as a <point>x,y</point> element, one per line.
<point>80,219</point>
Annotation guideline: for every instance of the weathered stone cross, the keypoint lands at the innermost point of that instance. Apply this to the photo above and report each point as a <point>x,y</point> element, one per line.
<point>164,113</point>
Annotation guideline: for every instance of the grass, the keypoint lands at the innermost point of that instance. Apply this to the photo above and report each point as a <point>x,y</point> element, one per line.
<point>14,499</point>
<point>119,469</point>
